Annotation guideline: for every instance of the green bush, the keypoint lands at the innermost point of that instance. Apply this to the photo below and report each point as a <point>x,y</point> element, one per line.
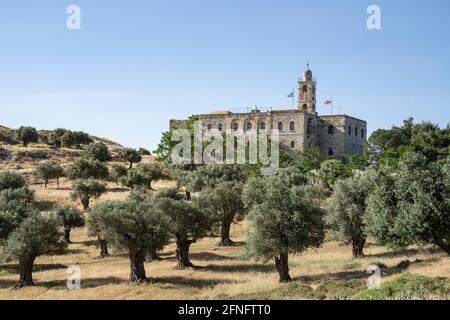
<point>409,287</point>
<point>11,180</point>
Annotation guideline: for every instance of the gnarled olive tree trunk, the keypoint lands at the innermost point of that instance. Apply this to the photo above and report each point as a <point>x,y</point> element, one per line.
<point>358,247</point>
<point>225,232</point>
<point>26,273</point>
<point>103,247</point>
<point>183,245</point>
<point>282,266</point>
<point>85,202</point>
<point>137,269</point>
<point>444,246</point>
<point>67,234</point>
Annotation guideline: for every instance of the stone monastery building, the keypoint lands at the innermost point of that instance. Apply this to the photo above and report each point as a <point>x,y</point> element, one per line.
<point>300,128</point>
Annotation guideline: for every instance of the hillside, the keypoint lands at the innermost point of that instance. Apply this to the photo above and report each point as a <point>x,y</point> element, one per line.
<point>13,156</point>
<point>221,273</point>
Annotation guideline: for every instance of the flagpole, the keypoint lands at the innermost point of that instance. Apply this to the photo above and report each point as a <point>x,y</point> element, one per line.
<point>293,98</point>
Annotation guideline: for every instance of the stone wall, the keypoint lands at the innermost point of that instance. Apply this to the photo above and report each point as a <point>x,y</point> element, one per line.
<point>330,133</point>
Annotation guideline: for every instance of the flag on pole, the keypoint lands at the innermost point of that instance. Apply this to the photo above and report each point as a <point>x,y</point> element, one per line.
<point>328,102</point>
<point>291,95</point>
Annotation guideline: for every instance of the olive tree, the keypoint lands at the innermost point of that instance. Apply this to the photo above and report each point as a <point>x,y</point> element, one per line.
<point>67,139</point>
<point>144,152</point>
<point>135,228</point>
<point>15,206</point>
<point>82,138</point>
<point>97,151</point>
<point>189,223</point>
<point>27,135</point>
<point>54,138</point>
<point>332,171</point>
<point>85,169</point>
<point>118,171</point>
<point>49,171</point>
<point>285,219</point>
<point>37,235</point>
<point>93,223</point>
<point>71,218</point>
<point>226,201</point>
<point>86,189</point>
<point>142,175</point>
<point>412,204</point>
<point>11,180</point>
<point>130,155</point>
<point>346,211</point>
<point>311,159</point>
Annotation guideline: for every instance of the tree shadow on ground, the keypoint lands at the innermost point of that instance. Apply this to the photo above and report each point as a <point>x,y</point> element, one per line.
<point>406,253</point>
<point>361,274</point>
<point>85,283</point>
<point>118,189</point>
<point>74,251</point>
<point>88,243</point>
<point>197,256</point>
<point>263,268</point>
<point>45,205</point>
<point>96,282</point>
<point>209,256</point>
<point>189,282</point>
<point>14,268</point>
<point>8,284</point>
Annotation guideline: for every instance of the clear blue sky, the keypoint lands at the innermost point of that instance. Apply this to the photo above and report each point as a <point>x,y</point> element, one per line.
<point>136,64</point>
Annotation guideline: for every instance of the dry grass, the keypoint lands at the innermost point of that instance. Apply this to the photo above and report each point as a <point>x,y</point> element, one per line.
<point>222,273</point>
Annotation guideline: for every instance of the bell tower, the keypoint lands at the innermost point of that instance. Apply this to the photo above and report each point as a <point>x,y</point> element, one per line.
<point>307,92</point>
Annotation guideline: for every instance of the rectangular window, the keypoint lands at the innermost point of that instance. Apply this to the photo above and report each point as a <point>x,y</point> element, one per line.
<point>349,130</point>
<point>356,132</point>
<point>362,133</point>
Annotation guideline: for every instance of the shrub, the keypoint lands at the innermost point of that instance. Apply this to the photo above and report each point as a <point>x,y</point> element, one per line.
<point>71,217</point>
<point>85,169</point>
<point>36,236</point>
<point>118,171</point>
<point>49,171</point>
<point>27,135</point>
<point>130,155</point>
<point>97,151</point>
<point>86,189</point>
<point>11,180</point>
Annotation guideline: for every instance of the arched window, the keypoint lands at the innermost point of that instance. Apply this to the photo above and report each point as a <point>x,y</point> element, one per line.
<point>235,126</point>
<point>280,126</point>
<point>292,126</point>
<point>220,127</point>
<point>262,126</point>
<point>249,126</point>
<point>330,152</point>
<point>330,129</point>
<point>305,92</point>
<point>292,144</point>
<point>209,126</point>
<point>304,107</point>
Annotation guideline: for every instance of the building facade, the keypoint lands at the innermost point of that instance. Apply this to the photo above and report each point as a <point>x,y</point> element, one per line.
<point>300,128</point>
